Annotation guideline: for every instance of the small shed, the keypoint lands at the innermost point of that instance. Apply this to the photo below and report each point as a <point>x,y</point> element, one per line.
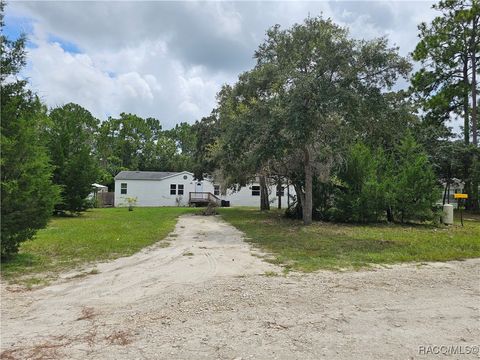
<point>101,196</point>
<point>97,188</point>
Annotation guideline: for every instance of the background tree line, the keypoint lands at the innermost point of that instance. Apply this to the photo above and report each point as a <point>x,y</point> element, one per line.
<point>318,111</point>
<point>51,157</point>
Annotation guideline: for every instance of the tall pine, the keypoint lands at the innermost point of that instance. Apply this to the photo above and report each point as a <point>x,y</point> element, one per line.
<point>446,84</point>
<point>28,195</point>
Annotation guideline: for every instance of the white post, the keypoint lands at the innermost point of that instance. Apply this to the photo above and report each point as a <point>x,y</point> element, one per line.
<point>447,216</point>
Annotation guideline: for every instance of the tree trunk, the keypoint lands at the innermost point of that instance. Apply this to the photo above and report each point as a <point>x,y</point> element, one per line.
<point>300,197</point>
<point>466,120</point>
<point>466,130</point>
<point>308,203</point>
<point>264,203</point>
<point>279,193</point>
<point>288,195</point>
<point>474,85</point>
<point>389,214</point>
<point>445,193</point>
<point>300,194</point>
<point>474,189</point>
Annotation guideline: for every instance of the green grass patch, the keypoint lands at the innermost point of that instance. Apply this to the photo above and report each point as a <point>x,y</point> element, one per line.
<point>338,246</point>
<point>96,235</point>
<point>270,273</point>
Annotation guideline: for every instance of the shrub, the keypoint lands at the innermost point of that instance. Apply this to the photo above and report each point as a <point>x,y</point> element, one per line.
<point>372,185</point>
<point>413,188</point>
<point>360,194</point>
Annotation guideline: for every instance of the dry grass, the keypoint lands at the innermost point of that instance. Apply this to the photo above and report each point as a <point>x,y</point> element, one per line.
<point>91,336</point>
<point>8,355</point>
<point>88,313</point>
<point>50,349</point>
<point>94,271</point>
<point>119,337</point>
<point>46,350</point>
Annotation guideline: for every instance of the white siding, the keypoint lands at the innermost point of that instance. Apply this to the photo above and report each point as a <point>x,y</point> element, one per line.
<point>157,192</point>
<point>244,196</point>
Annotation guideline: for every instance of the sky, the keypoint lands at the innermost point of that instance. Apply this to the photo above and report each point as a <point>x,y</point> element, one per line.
<point>168,60</point>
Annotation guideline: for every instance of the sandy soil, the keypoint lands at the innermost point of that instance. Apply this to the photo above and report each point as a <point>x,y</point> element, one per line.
<point>206,296</point>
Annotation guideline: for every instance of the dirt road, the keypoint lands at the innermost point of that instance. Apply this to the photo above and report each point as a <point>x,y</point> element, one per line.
<point>206,296</point>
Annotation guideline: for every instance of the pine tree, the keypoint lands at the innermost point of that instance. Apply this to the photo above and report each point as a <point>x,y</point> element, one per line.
<point>413,188</point>
<point>360,194</point>
<point>446,84</point>
<point>28,195</point>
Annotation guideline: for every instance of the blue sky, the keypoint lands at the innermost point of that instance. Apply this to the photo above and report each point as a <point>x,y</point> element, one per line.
<point>65,45</point>
<point>17,25</point>
<point>169,59</point>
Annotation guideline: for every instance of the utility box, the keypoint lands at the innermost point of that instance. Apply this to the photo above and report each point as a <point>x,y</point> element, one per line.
<point>447,216</point>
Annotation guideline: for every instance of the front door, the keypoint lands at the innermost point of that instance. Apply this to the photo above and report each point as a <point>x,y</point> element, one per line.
<point>199,187</point>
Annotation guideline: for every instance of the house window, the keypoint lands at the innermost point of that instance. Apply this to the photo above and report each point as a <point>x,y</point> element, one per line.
<point>185,177</point>
<point>123,188</point>
<point>256,190</point>
<point>180,189</point>
<point>173,189</point>
<point>281,192</point>
<point>216,189</point>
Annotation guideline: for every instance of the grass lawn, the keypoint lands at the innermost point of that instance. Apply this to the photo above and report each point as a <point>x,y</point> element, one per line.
<point>98,234</point>
<point>335,246</point>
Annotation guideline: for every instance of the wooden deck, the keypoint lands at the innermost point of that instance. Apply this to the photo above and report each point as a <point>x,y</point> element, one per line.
<point>203,199</point>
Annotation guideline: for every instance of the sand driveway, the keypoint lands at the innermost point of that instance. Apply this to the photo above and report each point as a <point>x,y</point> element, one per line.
<point>207,296</point>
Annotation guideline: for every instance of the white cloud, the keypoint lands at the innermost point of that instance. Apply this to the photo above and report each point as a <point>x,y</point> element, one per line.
<point>169,59</point>
<point>140,80</point>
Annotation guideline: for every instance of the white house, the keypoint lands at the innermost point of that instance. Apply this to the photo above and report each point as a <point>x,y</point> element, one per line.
<point>455,186</point>
<point>177,189</point>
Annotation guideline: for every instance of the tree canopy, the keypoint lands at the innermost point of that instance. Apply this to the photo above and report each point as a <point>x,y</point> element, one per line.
<point>307,97</point>
<point>70,135</point>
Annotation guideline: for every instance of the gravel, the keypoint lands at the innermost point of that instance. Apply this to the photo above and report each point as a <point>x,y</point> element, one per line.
<point>219,304</point>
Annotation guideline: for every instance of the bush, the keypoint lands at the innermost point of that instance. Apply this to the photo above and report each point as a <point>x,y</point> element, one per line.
<point>360,193</point>
<point>372,185</point>
<point>413,188</point>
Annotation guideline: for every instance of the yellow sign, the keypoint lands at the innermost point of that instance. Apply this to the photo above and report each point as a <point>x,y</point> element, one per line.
<point>460,196</point>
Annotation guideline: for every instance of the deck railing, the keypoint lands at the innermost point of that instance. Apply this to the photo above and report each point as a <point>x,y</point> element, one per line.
<point>203,197</point>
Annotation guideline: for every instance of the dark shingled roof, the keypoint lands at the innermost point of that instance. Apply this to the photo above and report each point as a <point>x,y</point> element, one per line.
<point>143,175</point>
